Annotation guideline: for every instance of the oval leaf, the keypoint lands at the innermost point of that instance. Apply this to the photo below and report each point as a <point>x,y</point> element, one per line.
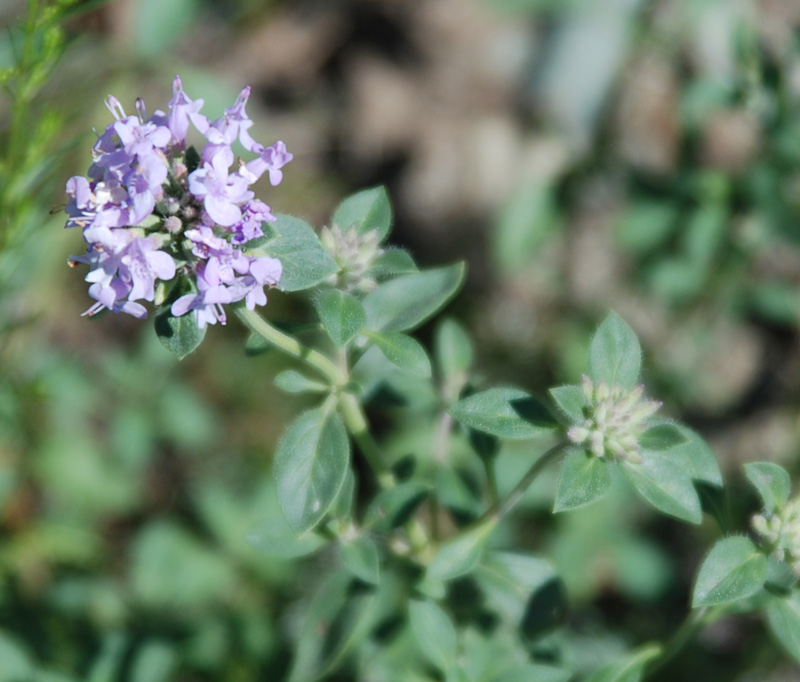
<point>662,437</point>
<point>403,351</point>
<point>434,633</point>
<point>771,481</point>
<point>583,479</point>
<point>696,458</point>
<point>291,381</point>
<point>459,555</point>
<point>304,260</point>
<point>734,569</point>
<point>407,301</point>
<point>665,484</point>
<point>366,210</point>
<point>615,356</point>
<point>783,618</point>
<point>362,558</point>
<point>310,466</point>
<point>570,400</point>
<point>453,348</point>
<point>341,314</point>
<point>504,412</point>
<point>180,335</point>
<point>392,262</point>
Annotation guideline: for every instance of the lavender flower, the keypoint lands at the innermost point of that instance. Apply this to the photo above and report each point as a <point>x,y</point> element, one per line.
<point>149,216</point>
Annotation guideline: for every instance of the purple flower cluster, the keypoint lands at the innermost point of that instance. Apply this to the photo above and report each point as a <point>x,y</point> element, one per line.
<point>151,209</point>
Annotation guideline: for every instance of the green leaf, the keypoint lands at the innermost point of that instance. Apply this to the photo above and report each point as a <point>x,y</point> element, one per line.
<point>783,619</point>
<point>407,301</point>
<point>662,437</point>
<point>305,262</point>
<point>525,589</point>
<point>341,314</point>
<point>734,569</point>
<point>504,412</point>
<point>180,335</point>
<point>696,458</point>
<point>583,479</point>
<point>460,554</point>
<point>391,262</point>
<point>630,668</point>
<point>772,483</point>
<point>362,558</point>
<point>665,484</point>
<point>524,223</point>
<point>646,225</point>
<point>394,506</point>
<point>337,619</point>
<point>366,210</point>
<point>452,348</point>
<point>615,356</point>
<point>310,467</point>
<point>16,664</point>
<point>291,381</point>
<point>275,537</point>
<point>434,633</point>
<point>155,662</point>
<point>570,400</point>
<point>403,351</point>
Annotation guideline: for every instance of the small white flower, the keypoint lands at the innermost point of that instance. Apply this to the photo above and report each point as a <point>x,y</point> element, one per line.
<point>615,419</point>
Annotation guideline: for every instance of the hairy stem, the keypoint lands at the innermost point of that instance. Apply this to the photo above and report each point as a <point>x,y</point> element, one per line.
<point>291,346</point>
<point>354,418</point>
<point>512,499</point>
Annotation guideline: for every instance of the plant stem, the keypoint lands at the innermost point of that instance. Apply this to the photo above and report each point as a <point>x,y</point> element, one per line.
<point>694,623</point>
<point>356,423</point>
<point>292,346</point>
<point>353,416</point>
<point>512,499</point>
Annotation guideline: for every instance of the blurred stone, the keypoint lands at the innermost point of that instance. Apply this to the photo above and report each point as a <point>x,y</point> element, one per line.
<point>648,124</point>
<point>777,21</point>
<point>730,140</point>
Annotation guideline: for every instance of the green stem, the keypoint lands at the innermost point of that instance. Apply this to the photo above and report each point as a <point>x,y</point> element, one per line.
<point>291,346</point>
<point>356,423</point>
<point>512,499</point>
<point>354,419</point>
<point>694,623</point>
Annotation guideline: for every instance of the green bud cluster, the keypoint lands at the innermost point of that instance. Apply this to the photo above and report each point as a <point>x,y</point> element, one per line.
<point>355,254</point>
<point>780,533</point>
<point>615,418</point>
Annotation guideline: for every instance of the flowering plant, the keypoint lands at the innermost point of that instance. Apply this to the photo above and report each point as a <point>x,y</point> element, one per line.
<point>178,228</point>
<point>151,209</point>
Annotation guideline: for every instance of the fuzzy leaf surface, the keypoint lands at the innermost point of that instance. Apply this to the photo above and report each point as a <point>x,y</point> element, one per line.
<point>366,210</point>
<point>734,569</point>
<point>615,356</point>
<point>583,479</point>
<point>311,464</point>
<point>504,412</point>
<point>305,261</point>
<point>771,481</point>
<point>341,314</point>
<point>405,302</point>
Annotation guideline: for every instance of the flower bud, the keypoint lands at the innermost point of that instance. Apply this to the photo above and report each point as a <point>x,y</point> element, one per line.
<point>615,418</point>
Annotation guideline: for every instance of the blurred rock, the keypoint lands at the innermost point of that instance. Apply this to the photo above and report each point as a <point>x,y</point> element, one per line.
<point>731,139</point>
<point>648,124</point>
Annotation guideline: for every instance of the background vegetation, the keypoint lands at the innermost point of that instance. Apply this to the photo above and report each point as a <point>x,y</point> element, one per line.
<point>635,155</point>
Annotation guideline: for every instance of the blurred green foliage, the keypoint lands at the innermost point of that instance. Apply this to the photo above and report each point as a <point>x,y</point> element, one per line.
<point>132,500</point>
